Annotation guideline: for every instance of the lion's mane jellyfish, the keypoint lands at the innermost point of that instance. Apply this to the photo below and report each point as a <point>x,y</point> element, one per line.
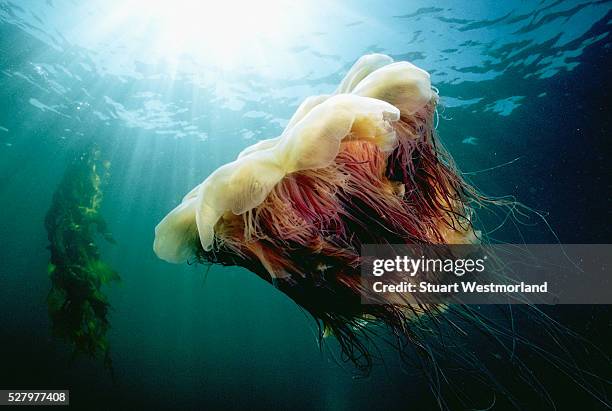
<point>360,166</point>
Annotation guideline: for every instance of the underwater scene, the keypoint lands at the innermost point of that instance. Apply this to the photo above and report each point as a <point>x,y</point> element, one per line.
<point>189,190</point>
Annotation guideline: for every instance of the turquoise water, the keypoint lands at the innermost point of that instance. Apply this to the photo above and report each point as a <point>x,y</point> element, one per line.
<point>171,94</point>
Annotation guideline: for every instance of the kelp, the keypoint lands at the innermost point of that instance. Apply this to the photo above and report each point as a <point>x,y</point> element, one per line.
<point>78,307</point>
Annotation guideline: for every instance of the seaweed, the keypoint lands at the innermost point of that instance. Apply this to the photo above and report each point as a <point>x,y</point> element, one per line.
<point>77,305</point>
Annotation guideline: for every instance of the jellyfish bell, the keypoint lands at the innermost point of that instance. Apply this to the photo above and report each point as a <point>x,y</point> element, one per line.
<point>244,184</point>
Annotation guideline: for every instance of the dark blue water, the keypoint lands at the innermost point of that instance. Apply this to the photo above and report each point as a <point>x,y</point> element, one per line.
<point>169,94</point>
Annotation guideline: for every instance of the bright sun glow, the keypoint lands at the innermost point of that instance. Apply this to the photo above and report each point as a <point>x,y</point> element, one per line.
<point>224,31</point>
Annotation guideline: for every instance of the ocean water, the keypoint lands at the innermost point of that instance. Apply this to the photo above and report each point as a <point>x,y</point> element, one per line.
<point>170,94</point>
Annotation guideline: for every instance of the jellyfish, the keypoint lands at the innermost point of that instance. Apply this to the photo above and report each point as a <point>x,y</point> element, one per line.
<point>365,153</point>
<point>363,165</point>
